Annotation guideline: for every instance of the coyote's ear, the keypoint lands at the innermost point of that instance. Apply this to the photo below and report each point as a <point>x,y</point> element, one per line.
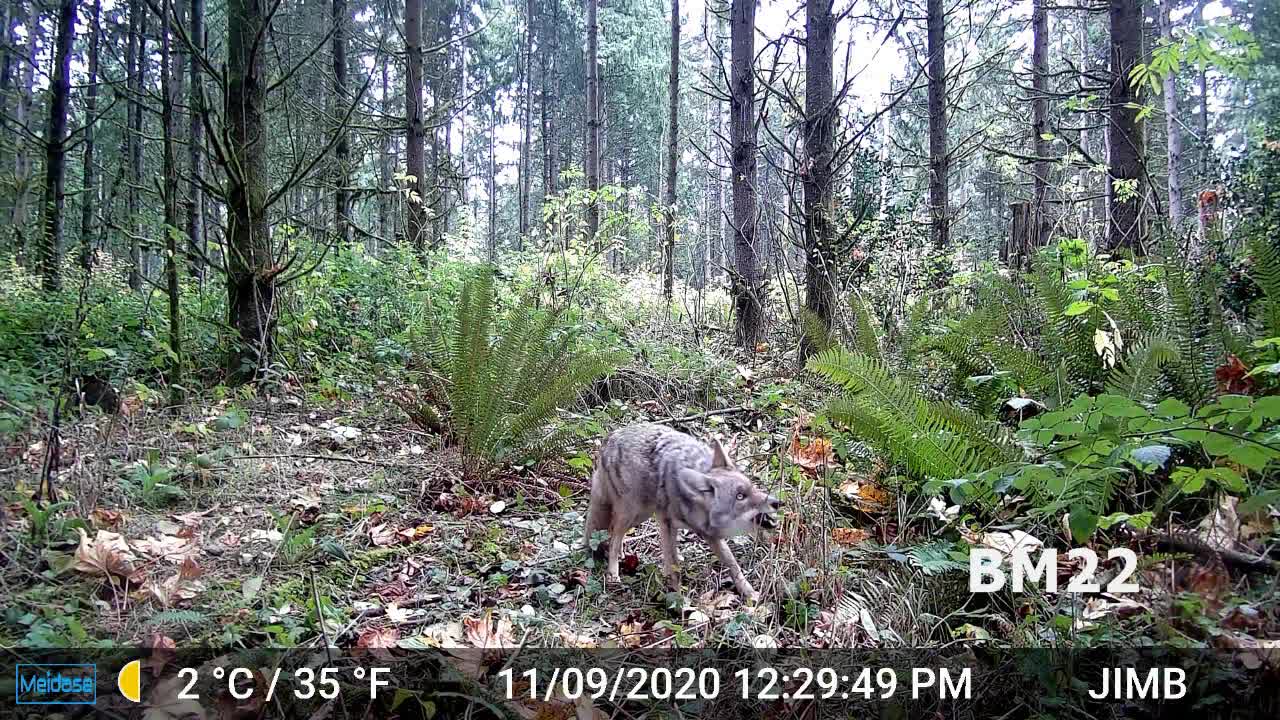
<point>719,458</point>
<point>698,483</point>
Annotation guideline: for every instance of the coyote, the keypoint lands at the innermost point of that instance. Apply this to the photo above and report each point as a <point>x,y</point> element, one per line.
<point>648,469</point>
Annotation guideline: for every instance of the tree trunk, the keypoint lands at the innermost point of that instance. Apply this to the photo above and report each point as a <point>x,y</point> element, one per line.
<point>724,228</point>
<point>673,132</point>
<point>49,252</point>
<point>414,157</point>
<point>548,101</point>
<point>1126,188</point>
<point>1039,126</point>
<point>819,145</point>
<point>251,268</point>
<point>493,185</point>
<point>748,284</point>
<point>138,73</point>
<point>1172,128</point>
<point>341,151</point>
<point>195,142</point>
<point>89,201</point>
<point>170,192</point>
<point>1206,143</point>
<point>592,163</point>
<point>939,211</point>
<point>384,160</point>
<point>525,167</point>
<point>22,170</point>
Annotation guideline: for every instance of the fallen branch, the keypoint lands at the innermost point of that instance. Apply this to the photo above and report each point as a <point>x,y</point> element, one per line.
<point>704,415</point>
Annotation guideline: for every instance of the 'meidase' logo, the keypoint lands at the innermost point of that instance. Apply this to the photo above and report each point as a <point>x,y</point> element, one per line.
<point>57,684</point>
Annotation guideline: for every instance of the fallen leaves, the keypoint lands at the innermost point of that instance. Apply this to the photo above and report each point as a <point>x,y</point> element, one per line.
<point>107,555</point>
<point>170,548</point>
<point>484,632</point>
<point>382,534</point>
<point>181,586</point>
<point>811,454</point>
<point>378,641</point>
<point>865,494</point>
<point>849,536</point>
<point>1233,377</point>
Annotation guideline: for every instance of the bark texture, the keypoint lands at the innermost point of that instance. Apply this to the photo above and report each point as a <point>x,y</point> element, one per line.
<point>1127,185</point>
<point>748,283</point>
<point>819,144</point>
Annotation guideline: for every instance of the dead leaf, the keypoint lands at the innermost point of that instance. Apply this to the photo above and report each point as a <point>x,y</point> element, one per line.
<point>440,635</point>
<point>874,494</point>
<point>169,548</point>
<point>174,589</point>
<point>576,640</point>
<point>629,564</point>
<point>411,534</point>
<point>163,648</point>
<point>633,633</point>
<point>104,518</point>
<point>483,632</point>
<point>812,456</point>
<point>1233,377</point>
<point>378,640</point>
<point>849,536</point>
<point>191,519</point>
<point>1221,528</point>
<point>382,535</point>
<point>106,555</point>
<point>1005,542</point>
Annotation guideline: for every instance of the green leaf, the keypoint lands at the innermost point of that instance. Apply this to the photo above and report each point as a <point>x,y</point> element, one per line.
<point>1079,307</point>
<point>1227,479</point>
<point>1172,408</point>
<point>1267,408</point>
<point>1140,521</point>
<point>230,420</point>
<point>1187,481</point>
<point>1250,455</point>
<point>1260,501</point>
<point>1217,444</point>
<point>1083,522</point>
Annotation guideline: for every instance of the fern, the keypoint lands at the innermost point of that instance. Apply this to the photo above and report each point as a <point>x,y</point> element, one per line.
<point>177,617</point>
<point>814,330</point>
<point>1138,376</point>
<point>932,440</point>
<point>1186,330</point>
<point>1265,271</point>
<point>866,336</point>
<point>502,381</point>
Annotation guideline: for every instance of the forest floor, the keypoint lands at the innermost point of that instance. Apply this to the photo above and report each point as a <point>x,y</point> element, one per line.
<point>293,520</point>
<point>304,519</point>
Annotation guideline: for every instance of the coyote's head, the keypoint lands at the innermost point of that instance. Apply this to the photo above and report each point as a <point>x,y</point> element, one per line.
<point>735,506</point>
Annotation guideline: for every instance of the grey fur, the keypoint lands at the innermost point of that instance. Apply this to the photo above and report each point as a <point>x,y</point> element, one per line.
<point>648,469</point>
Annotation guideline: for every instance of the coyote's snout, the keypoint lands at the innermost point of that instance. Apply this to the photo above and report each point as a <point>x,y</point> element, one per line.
<point>648,469</point>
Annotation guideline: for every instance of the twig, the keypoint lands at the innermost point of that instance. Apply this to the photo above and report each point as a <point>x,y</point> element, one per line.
<point>704,415</point>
